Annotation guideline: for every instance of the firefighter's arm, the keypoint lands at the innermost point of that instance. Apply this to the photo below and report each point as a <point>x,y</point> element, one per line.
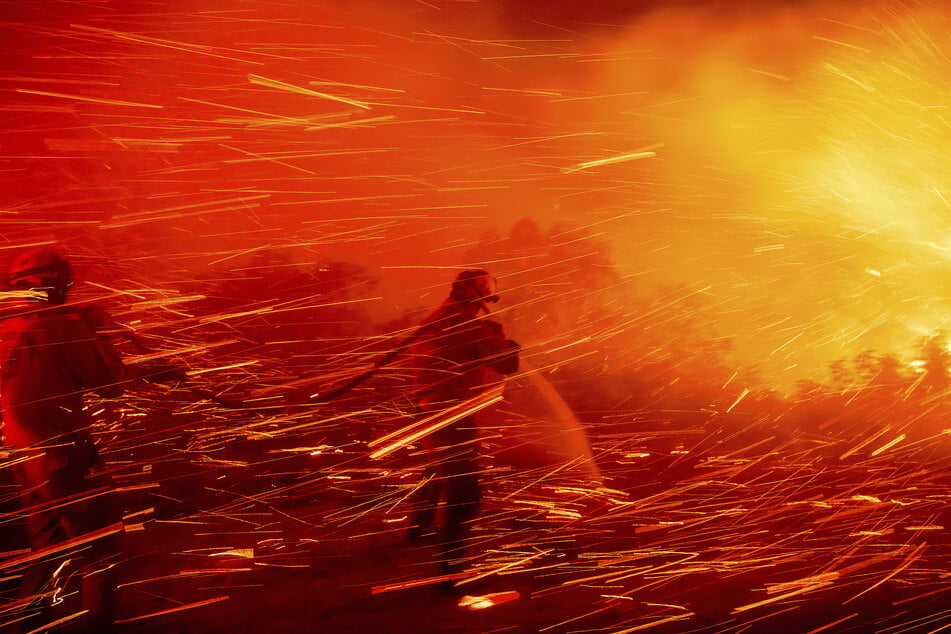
<point>501,353</point>
<point>93,360</point>
<point>104,325</point>
<point>107,327</point>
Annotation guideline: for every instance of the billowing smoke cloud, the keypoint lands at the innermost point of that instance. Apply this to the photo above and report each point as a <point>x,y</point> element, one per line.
<point>803,173</point>
<point>798,171</point>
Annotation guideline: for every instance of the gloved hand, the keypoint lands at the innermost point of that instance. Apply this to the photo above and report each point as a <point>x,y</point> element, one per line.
<point>507,360</point>
<point>86,452</point>
<point>495,326</point>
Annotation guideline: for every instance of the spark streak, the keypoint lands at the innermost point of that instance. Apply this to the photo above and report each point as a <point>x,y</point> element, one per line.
<point>646,152</point>
<point>273,83</point>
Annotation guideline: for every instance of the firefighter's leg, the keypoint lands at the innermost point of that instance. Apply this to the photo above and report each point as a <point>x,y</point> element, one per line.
<point>423,503</point>
<point>463,495</point>
<point>99,591</point>
<point>98,560</point>
<point>47,527</point>
<point>44,528</point>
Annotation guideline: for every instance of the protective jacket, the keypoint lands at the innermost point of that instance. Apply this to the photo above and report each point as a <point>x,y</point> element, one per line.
<point>48,359</point>
<point>459,357</point>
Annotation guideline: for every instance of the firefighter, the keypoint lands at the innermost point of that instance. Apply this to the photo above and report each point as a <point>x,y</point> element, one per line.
<point>49,357</point>
<point>459,355</point>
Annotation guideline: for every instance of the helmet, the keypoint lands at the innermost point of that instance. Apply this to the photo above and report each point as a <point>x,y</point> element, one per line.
<point>41,268</point>
<point>474,285</point>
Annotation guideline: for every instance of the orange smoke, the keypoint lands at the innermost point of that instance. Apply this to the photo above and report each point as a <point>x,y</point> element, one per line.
<point>803,175</point>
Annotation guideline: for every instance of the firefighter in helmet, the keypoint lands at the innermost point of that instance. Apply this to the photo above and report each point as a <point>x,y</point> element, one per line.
<point>459,355</point>
<point>49,357</point>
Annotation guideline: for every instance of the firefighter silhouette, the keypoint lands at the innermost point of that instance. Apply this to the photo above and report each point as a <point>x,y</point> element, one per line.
<point>50,355</point>
<point>458,355</point>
